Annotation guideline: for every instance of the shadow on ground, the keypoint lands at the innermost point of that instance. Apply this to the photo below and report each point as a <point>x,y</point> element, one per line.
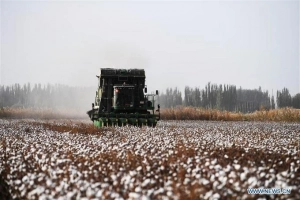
<point>4,191</point>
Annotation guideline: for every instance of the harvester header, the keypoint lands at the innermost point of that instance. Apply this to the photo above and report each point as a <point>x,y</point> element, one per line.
<point>121,99</point>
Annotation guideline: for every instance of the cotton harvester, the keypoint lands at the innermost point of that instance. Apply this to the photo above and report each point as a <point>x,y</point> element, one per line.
<point>121,99</point>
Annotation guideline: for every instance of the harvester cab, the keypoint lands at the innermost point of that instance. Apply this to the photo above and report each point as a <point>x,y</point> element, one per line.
<point>121,99</point>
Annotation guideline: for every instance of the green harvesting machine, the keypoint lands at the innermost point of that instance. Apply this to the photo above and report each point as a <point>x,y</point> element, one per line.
<point>121,99</point>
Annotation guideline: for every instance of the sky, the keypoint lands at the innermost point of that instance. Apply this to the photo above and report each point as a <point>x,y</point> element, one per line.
<point>178,43</point>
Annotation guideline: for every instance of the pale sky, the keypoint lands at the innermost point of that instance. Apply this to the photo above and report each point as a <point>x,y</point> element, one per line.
<point>182,43</point>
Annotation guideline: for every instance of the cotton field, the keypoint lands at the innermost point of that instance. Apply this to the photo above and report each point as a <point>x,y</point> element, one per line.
<point>176,160</point>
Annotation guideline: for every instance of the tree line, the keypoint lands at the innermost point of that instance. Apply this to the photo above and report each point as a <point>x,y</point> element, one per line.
<point>47,96</point>
<point>212,96</point>
<point>228,97</point>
